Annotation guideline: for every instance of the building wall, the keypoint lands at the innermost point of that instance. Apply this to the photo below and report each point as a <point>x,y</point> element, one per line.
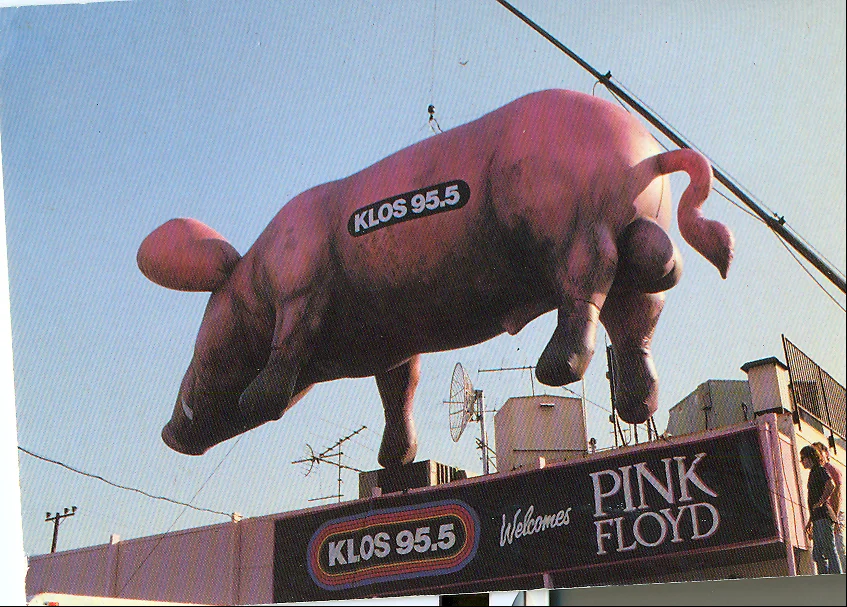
<point>58,572</point>
<point>715,403</point>
<point>217,565</point>
<point>255,555</point>
<point>767,390</point>
<point>529,427</point>
<point>232,563</point>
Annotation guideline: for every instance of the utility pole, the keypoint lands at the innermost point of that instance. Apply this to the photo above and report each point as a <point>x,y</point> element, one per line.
<point>57,518</point>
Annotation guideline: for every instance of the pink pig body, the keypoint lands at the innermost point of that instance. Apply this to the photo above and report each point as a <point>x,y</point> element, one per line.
<point>557,200</point>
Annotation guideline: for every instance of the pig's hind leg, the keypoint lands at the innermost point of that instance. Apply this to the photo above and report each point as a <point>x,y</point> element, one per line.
<point>582,280</point>
<point>397,390</point>
<point>630,320</point>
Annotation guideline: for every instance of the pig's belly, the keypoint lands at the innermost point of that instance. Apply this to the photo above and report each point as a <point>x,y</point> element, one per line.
<point>365,333</point>
<point>451,282</point>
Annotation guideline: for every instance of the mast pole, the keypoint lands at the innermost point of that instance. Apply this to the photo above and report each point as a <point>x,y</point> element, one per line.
<point>774,223</point>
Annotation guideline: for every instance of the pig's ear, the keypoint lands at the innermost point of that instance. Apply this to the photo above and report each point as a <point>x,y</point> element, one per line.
<point>186,255</point>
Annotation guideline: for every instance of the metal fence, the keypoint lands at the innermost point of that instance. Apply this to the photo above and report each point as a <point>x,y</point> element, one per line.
<point>814,390</point>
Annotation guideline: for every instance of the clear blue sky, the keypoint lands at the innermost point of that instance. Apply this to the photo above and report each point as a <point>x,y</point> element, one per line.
<point>119,116</point>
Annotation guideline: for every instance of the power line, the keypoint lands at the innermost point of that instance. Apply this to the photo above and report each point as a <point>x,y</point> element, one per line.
<point>812,276</point>
<point>193,497</point>
<point>119,486</point>
<point>590,402</point>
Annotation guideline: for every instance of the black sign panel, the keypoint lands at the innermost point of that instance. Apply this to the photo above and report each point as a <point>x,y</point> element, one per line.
<point>656,504</point>
<point>447,196</point>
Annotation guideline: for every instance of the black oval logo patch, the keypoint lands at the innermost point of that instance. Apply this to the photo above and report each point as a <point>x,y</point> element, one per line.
<point>424,202</point>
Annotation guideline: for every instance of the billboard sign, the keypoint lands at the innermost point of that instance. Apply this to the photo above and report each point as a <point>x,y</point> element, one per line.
<point>599,517</point>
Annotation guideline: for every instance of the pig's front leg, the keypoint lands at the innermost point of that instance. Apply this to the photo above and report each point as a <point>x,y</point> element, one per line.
<point>268,396</point>
<point>583,280</point>
<point>397,390</point>
<point>630,319</point>
<point>295,275</point>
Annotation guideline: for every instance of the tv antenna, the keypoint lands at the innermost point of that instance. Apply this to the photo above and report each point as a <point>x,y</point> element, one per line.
<point>333,451</point>
<point>525,368</point>
<point>467,405</point>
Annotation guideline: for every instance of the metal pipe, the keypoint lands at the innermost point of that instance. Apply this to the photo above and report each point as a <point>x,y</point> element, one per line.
<point>780,485</point>
<point>774,223</point>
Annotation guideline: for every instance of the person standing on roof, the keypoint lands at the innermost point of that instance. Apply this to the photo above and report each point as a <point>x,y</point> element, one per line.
<point>821,526</point>
<point>834,499</point>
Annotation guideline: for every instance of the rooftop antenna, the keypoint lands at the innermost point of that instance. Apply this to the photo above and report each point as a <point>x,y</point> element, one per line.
<point>467,405</point>
<point>333,451</point>
<point>529,368</point>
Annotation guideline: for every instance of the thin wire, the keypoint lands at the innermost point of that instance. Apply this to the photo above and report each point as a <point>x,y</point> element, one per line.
<point>689,144</point>
<point>815,249</point>
<point>432,60</point>
<point>722,194</point>
<point>740,207</point>
<point>612,93</point>
<point>667,149</point>
<point>165,534</point>
<point>806,270</point>
<point>586,400</point>
<point>124,487</point>
<point>731,176</point>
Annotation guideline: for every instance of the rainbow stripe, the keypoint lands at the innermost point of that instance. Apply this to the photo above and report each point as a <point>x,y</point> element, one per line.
<point>389,568</point>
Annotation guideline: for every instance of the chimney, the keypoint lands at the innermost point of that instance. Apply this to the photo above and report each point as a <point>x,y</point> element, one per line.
<point>768,381</point>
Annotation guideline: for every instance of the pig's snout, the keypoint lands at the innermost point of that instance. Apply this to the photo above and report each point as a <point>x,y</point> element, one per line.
<point>205,415</point>
<point>183,433</point>
<point>180,433</point>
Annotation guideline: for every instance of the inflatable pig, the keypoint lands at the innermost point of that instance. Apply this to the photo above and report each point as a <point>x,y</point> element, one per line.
<point>556,201</point>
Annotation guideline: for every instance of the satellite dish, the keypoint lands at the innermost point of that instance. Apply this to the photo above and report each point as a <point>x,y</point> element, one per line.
<point>466,405</point>
<point>462,402</point>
